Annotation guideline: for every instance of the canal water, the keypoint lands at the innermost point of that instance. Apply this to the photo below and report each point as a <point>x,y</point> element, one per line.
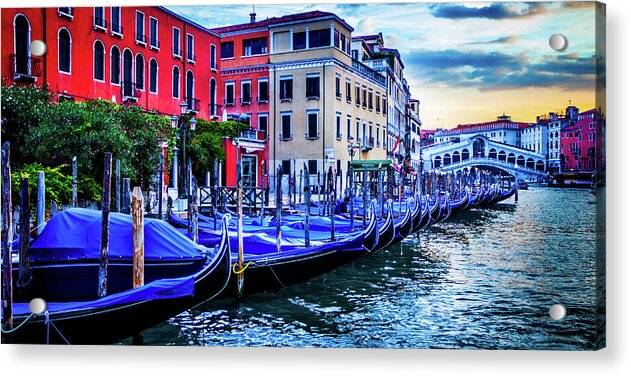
<point>482,280</point>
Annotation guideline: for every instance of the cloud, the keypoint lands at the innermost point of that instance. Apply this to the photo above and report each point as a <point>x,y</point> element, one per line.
<point>498,71</point>
<point>511,39</point>
<point>495,11</point>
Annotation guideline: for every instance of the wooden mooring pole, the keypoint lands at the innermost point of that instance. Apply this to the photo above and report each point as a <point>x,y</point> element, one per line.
<point>279,205</point>
<point>308,212</point>
<point>25,227</point>
<point>41,202</point>
<point>194,211</point>
<point>160,184</point>
<point>7,239</point>
<point>126,196</point>
<point>138,235</point>
<point>105,223</point>
<point>240,254</point>
<point>74,182</point>
<point>117,186</point>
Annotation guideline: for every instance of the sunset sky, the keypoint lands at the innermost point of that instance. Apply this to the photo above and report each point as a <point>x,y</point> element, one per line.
<point>467,62</point>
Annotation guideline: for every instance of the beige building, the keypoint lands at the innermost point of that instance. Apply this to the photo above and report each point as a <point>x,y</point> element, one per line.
<point>320,99</point>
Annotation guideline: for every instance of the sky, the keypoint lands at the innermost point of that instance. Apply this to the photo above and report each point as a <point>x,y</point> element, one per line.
<point>468,62</point>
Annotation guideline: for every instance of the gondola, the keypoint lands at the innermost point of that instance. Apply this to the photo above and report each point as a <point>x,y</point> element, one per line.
<point>126,313</point>
<point>264,268</point>
<point>387,230</point>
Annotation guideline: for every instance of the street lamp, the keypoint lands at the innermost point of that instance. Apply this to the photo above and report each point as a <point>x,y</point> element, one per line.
<point>184,124</point>
<point>350,147</point>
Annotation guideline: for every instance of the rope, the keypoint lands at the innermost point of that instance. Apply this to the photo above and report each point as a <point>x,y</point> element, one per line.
<point>9,331</point>
<point>278,279</point>
<point>242,270</point>
<point>49,323</point>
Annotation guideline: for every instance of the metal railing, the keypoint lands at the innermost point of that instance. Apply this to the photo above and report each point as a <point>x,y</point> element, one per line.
<point>117,28</point>
<point>253,135</point>
<point>130,91</point>
<point>25,67</point>
<point>154,42</point>
<point>192,104</point>
<point>368,72</point>
<point>141,38</point>
<point>100,23</point>
<point>215,109</point>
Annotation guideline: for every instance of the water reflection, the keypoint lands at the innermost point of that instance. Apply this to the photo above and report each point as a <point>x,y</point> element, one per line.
<point>482,280</point>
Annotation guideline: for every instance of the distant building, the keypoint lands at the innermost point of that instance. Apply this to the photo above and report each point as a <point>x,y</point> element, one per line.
<point>582,143</point>
<point>415,132</point>
<point>502,130</point>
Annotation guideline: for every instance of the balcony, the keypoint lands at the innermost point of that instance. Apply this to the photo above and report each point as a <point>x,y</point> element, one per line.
<point>246,101</point>
<point>368,146</point>
<point>129,92</point>
<point>368,72</point>
<point>253,135</point>
<point>25,68</point>
<point>214,110</point>
<point>192,105</point>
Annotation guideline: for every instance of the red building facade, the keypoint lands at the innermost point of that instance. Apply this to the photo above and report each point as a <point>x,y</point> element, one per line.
<point>244,57</point>
<point>143,55</point>
<point>582,144</point>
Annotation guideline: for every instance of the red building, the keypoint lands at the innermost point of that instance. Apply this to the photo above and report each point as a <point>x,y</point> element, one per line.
<point>582,143</point>
<point>144,55</point>
<point>244,56</point>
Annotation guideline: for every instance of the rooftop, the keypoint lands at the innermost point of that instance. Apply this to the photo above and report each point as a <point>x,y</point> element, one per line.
<point>279,20</point>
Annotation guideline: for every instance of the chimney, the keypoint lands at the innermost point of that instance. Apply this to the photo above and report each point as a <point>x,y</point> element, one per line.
<point>252,17</point>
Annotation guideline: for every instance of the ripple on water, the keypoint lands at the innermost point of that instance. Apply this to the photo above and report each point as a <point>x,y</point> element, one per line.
<point>482,280</point>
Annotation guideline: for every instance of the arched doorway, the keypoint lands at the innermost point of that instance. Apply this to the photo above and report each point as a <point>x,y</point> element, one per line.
<point>478,148</point>
<point>128,69</point>
<point>213,97</point>
<point>22,34</point>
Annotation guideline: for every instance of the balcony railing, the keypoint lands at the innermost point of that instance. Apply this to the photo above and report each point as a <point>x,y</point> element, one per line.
<point>25,68</point>
<point>117,29</point>
<point>65,12</point>
<point>228,102</point>
<point>369,144</point>
<point>192,104</point>
<point>130,91</point>
<point>368,72</point>
<point>141,38</point>
<point>246,100</point>
<point>215,110</point>
<point>154,42</point>
<point>253,135</point>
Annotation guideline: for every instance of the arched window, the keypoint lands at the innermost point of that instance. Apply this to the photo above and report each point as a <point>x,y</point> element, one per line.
<point>128,70</point>
<point>213,97</point>
<point>99,61</point>
<point>22,37</point>
<point>437,161</point>
<point>64,50</point>
<point>493,154</point>
<point>501,156</point>
<point>140,72</point>
<point>190,90</point>
<point>447,159</point>
<point>465,154</point>
<point>521,161</point>
<point>455,157</point>
<point>176,82</point>
<point>153,76</point>
<point>115,65</point>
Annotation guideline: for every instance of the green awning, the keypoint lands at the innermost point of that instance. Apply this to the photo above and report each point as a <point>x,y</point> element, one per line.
<point>371,165</point>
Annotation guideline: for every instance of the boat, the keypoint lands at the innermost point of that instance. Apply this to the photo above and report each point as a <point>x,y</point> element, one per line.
<point>126,313</point>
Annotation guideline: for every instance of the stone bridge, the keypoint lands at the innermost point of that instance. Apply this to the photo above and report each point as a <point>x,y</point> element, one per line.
<point>481,152</point>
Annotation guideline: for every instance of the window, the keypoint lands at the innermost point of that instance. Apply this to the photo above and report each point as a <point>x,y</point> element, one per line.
<point>140,72</point>
<point>153,33</point>
<point>140,28</point>
<point>348,128</point>
<point>312,166</point>
<point>213,97</point>
<point>116,21</point>
<point>364,97</point>
<point>377,103</point>
<point>364,134</point>
<point>343,43</point>
<point>22,38</point>
<point>312,125</point>
<point>177,51</point>
<point>286,86</point>
<point>319,38</point>
<point>338,87</point>
<point>229,94</point>
<point>313,86</point>
<point>383,134</point>
<point>190,48</point>
<point>299,41</point>
<point>65,12</point>
<point>370,100</point>
<point>263,92</point>
<point>65,47</point>
<point>286,167</point>
<point>355,55</point>
<point>246,92</point>
<point>176,82</point>
<point>227,50</point>
<point>115,65</point>
<point>285,120</point>
<point>99,18</point>
<point>153,76</point>
<point>213,57</point>
<point>263,124</point>
<point>256,46</point>
<point>357,135</point>
<point>384,106</point>
<point>358,97</point>
<point>348,92</point>
<point>378,134</point>
<point>99,61</point>
<point>336,38</point>
<point>338,126</point>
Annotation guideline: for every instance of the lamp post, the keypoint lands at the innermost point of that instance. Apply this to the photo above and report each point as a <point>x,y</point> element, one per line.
<point>184,124</point>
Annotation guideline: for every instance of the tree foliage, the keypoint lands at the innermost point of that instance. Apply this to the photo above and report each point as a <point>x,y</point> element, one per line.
<point>206,143</point>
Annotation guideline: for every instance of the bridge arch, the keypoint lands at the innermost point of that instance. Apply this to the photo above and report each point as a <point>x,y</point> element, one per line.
<point>465,154</point>
<point>455,157</point>
<point>493,153</point>
<point>501,156</point>
<point>446,159</point>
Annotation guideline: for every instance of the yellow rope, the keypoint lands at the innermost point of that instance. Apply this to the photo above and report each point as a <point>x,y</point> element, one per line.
<point>242,270</point>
